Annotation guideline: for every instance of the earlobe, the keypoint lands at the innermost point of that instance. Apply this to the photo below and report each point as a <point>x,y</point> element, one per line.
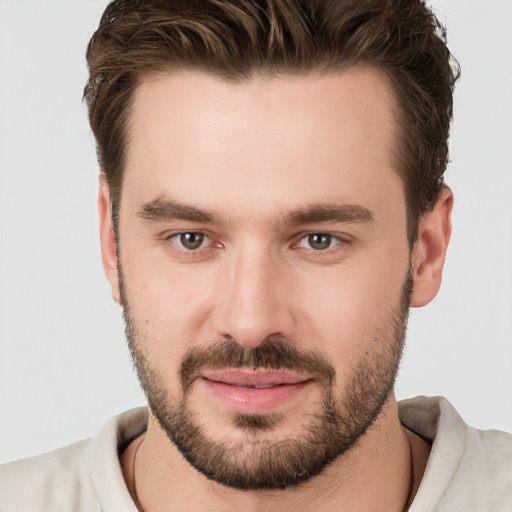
<point>107,239</point>
<point>429,251</point>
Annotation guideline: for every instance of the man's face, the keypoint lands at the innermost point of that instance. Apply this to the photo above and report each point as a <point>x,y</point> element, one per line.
<point>265,267</point>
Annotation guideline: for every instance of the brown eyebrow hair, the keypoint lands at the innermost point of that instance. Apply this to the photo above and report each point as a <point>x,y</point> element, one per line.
<point>350,213</point>
<point>161,209</point>
<point>167,209</point>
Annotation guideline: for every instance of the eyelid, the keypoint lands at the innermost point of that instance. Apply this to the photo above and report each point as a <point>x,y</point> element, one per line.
<point>170,237</point>
<point>170,234</point>
<point>343,239</point>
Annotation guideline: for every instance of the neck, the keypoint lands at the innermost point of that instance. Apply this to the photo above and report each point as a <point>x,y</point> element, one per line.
<point>381,473</point>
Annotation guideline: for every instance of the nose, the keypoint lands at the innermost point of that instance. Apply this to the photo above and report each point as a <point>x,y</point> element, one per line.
<point>254,303</point>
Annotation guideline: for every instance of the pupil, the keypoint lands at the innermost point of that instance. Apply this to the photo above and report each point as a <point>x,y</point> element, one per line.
<point>320,241</point>
<point>192,240</point>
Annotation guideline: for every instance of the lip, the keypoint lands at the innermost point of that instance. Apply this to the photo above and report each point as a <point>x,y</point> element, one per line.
<point>254,391</point>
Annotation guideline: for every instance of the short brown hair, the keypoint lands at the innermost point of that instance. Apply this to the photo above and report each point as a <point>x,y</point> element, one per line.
<point>234,39</point>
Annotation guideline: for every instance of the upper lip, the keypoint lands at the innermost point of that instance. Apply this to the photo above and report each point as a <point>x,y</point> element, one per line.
<point>253,378</point>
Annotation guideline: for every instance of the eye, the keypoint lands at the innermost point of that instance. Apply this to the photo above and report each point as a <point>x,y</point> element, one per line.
<point>319,241</point>
<point>190,240</point>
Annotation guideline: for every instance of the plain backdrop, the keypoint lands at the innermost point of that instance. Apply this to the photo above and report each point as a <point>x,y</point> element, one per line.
<point>64,367</point>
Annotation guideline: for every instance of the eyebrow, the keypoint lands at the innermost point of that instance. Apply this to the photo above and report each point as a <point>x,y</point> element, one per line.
<point>347,213</point>
<point>163,209</point>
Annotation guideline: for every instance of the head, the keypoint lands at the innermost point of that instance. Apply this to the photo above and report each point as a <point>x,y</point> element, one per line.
<point>271,204</point>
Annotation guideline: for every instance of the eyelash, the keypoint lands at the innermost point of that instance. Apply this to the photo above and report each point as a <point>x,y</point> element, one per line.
<point>185,250</point>
<point>331,238</point>
<point>339,241</point>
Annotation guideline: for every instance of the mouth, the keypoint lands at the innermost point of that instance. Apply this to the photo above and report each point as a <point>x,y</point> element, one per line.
<point>260,391</point>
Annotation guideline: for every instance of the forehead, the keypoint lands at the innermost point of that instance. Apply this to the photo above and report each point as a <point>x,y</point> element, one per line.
<point>194,136</point>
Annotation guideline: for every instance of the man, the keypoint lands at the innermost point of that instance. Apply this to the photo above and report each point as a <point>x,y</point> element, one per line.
<point>271,204</point>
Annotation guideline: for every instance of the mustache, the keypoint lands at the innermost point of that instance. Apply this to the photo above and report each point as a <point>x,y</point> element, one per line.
<point>274,353</point>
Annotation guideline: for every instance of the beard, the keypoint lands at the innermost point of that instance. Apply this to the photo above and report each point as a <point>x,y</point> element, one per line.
<point>260,460</point>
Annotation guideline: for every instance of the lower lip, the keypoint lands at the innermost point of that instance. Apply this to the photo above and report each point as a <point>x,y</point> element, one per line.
<point>244,400</point>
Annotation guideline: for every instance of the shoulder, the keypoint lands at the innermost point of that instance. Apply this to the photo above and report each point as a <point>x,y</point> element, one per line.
<point>487,464</point>
<point>83,477</point>
<point>60,478</point>
<point>468,469</point>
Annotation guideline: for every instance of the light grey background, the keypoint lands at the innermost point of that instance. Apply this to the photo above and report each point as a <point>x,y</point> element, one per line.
<point>64,368</point>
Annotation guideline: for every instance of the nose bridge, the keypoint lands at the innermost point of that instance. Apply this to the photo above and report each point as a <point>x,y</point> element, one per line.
<point>255,305</point>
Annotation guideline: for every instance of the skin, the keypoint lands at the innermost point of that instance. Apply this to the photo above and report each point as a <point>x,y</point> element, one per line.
<point>250,154</point>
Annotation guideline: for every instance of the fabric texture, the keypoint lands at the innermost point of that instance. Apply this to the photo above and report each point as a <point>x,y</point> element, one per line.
<point>469,470</point>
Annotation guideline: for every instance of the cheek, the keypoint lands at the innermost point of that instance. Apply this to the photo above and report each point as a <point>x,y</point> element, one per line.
<point>343,310</point>
<point>168,303</point>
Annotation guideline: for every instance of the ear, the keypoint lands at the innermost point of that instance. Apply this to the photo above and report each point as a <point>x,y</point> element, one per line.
<point>107,239</point>
<point>435,229</point>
